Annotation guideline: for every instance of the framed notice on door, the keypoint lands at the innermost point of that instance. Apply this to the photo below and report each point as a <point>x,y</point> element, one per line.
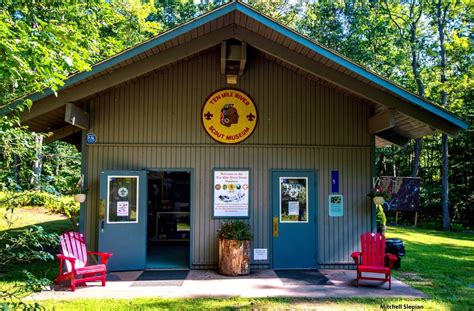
<point>231,193</point>
<point>293,199</point>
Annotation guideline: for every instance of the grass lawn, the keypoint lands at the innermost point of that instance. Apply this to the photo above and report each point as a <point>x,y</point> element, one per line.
<point>441,264</point>
<point>437,263</point>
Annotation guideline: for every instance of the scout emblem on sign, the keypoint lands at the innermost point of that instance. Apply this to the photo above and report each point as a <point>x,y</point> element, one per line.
<point>229,116</point>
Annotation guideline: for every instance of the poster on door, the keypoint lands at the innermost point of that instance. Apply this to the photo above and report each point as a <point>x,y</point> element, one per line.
<point>231,193</point>
<point>293,199</point>
<point>122,208</point>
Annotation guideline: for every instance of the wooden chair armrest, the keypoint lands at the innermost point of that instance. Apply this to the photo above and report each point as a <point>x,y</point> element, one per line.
<point>104,257</point>
<point>62,257</point>
<point>356,257</point>
<point>100,254</point>
<point>391,259</point>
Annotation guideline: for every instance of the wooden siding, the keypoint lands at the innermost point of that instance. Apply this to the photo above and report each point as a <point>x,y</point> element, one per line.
<point>154,122</point>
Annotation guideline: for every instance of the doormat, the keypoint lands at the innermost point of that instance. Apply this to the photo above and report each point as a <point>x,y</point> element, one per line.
<point>161,278</point>
<point>302,277</point>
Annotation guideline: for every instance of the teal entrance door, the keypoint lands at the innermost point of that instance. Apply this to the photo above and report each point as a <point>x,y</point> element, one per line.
<point>294,220</point>
<point>122,218</point>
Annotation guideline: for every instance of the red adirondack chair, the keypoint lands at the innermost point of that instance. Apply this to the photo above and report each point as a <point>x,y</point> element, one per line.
<point>373,258</point>
<point>74,258</point>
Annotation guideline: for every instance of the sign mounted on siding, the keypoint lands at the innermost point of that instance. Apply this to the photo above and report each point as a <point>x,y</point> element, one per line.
<point>260,254</point>
<point>336,205</point>
<point>229,116</point>
<point>91,138</point>
<point>231,193</point>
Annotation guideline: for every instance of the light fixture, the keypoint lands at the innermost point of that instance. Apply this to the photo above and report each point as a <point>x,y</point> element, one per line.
<point>231,79</point>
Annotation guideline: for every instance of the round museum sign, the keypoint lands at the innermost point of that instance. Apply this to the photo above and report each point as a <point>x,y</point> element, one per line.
<point>229,116</point>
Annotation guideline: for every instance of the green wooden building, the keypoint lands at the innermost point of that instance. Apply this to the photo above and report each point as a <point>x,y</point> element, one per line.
<point>231,115</point>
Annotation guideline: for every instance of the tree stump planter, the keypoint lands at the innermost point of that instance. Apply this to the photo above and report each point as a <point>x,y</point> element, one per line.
<point>234,257</point>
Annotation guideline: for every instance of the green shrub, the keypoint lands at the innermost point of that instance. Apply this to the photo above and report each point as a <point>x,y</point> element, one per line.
<point>457,227</point>
<point>12,300</point>
<point>57,204</point>
<point>380,217</point>
<point>34,283</point>
<point>28,245</point>
<point>39,199</point>
<point>234,230</point>
<point>431,225</point>
<point>13,199</point>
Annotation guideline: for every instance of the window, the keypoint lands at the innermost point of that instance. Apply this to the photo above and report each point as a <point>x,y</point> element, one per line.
<point>293,199</point>
<point>122,199</point>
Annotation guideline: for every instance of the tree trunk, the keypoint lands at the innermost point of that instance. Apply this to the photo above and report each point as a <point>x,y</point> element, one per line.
<point>416,159</point>
<point>415,66</point>
<point>412,20</point>
<point>16,168</point>
<point>234,257</point>
<point>394,163</point>
<point>441,21</point>
<point>445,183</point>
<point>38,162</point>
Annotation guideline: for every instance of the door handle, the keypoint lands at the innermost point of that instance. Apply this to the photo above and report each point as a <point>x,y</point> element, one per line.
<point>275,226</point>
<point>101,209</point>
<point>102,225</point>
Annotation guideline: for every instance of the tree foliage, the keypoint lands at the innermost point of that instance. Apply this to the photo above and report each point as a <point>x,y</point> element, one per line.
<point>41,43</point>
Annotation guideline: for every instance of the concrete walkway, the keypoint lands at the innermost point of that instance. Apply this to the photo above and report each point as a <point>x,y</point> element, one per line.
<point>260,283</point>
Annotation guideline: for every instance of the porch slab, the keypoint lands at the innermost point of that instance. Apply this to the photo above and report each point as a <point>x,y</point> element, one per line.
<point>209,284</point>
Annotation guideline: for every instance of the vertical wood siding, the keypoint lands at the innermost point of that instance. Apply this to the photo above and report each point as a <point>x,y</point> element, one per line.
<point>154,122</point>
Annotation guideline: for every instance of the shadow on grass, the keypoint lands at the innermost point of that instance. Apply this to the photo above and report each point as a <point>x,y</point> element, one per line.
<point>56,226</point>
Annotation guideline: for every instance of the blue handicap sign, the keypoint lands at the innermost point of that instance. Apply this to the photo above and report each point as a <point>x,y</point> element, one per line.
<point>91,138</point>
<point>335,181</point>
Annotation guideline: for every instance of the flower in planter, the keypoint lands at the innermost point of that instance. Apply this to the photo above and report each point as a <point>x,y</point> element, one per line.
<point>377,192</point>
<point>380,217</point>
<point>234,230</point>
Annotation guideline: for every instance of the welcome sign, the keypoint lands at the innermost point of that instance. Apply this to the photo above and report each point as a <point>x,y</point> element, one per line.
<point>229,116</point>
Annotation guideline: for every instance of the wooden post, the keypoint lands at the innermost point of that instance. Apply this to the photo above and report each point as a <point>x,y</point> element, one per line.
<point>396,217</point>
<point>416,218</point>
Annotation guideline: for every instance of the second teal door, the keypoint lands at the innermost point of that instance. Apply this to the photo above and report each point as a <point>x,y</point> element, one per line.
<point>294,220</point>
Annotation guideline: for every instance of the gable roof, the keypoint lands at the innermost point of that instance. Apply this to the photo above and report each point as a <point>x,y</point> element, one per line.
<point>243,22</point>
